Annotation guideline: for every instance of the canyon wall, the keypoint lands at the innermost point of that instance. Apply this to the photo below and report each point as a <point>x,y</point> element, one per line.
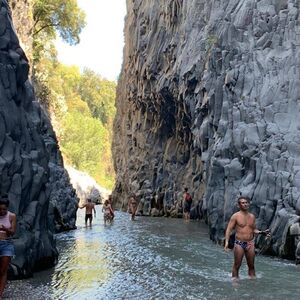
<point>209,98</point>
<point>31,166</point>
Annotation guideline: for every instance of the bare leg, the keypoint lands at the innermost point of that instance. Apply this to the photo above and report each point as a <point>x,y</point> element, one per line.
<point>238,258</point>
<point>133,215</point>
<point>4,263</point>
<point>250,257</point>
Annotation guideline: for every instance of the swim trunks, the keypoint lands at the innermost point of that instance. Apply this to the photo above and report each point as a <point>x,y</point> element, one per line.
<point>245,245</point>
<point>88,216</point>
<point>187,206</point>
<point>7,248</point>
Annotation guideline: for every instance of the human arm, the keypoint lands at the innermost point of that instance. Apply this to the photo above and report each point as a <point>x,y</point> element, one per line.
<point>81,206</point>
<point>128,205</point>
<point>10,231</point>
<point>263,232</point>
<point>94,209</point>
<point>231,225</point>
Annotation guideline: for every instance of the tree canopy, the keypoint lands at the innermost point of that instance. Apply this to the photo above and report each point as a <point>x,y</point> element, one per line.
<point>81,105</point>
<point>62,16</point>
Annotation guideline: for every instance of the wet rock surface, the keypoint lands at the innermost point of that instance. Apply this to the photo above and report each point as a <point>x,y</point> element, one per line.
<point>208,98</point>
<point>31,166</point>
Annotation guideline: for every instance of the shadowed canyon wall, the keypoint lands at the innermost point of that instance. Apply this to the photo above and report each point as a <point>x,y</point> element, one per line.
<point>209,98</point>
<point>31,166</point>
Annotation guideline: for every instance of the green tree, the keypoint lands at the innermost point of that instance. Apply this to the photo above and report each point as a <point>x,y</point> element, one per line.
<point>62,16</point>
<point>85,143</point>
<point>99,94</point>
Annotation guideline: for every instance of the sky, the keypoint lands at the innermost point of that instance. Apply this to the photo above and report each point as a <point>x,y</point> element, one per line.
<point>101,41</point>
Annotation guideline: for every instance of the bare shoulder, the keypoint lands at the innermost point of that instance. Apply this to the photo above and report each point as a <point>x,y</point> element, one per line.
<point>12,216</point>
<point>235,215</point>
<point>251,215</point>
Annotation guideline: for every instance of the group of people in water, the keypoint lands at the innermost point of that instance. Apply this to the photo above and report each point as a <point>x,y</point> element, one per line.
<point>242,222</point>
<point>107,209</point>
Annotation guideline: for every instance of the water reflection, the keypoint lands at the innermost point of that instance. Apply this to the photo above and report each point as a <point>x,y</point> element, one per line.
<point>83,264</point>
<point>154,259</point>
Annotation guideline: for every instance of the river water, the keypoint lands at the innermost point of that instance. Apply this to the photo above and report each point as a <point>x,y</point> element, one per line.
<point>152,258</point>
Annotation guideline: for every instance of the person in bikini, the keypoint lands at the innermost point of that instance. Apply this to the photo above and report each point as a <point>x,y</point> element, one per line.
<point>89,208</point>
<point>108,214</point>
<point>243,222</point>
<point>8,225</point>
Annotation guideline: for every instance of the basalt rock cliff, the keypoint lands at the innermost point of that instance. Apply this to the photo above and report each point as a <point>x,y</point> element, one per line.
<point>31,166</point>
<point>209,98</point>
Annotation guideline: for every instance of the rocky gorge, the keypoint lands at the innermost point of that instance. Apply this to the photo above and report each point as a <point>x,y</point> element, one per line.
<point>31,166</point>
<point>209,98</point>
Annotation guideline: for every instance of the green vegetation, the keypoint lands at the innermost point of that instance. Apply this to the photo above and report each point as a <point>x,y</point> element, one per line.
<point>55,16</point>
<point>81,105</point>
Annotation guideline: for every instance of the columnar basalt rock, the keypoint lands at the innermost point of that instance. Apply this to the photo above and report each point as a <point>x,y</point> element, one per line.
<point>208,98</point>
<point>31,166</point>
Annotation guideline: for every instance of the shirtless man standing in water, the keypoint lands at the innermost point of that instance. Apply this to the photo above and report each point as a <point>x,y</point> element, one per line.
<point>243,223</point>
<point>89,208</point>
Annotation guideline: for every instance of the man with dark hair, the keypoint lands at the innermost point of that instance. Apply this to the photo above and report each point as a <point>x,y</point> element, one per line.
<point>243,222</point>
<point>8,225</point>
<point>89,208</point>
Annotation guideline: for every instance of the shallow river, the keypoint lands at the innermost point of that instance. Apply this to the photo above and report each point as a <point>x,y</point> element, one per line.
<point>152,258</point>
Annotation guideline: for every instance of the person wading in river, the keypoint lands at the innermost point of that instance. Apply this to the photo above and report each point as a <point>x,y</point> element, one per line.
<point>243,223</point>
<point>132,206</point>
<point>107,212</point>
<point>7,230</point>
<point>89,208</point>
<point>187,204</point>
<point>110,200</point>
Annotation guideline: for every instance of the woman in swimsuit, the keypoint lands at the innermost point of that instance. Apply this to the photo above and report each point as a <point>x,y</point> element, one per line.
<point>107,210</point>
<point>7,230</point>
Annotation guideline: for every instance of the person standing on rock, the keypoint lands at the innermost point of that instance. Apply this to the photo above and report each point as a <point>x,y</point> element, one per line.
<point>89,208</point>
<point>8,222</point>
<point>187,204</point>
<point>132,206</point>
<point>243,222</point>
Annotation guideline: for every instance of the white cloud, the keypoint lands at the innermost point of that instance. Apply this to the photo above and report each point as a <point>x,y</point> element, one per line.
<point>102,40</point>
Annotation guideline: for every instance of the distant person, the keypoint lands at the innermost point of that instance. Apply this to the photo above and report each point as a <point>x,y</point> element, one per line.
<point>107,212</point>
<point>89,208</point>
<point>243,223</point>
<point>132,206</point>
<point>8,222</point>
<point>110,200</point>
<point>187,204</point>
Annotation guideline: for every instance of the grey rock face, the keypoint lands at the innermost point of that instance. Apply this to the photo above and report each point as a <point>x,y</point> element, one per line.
<point>209,99</point>
<point>31,166</point>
